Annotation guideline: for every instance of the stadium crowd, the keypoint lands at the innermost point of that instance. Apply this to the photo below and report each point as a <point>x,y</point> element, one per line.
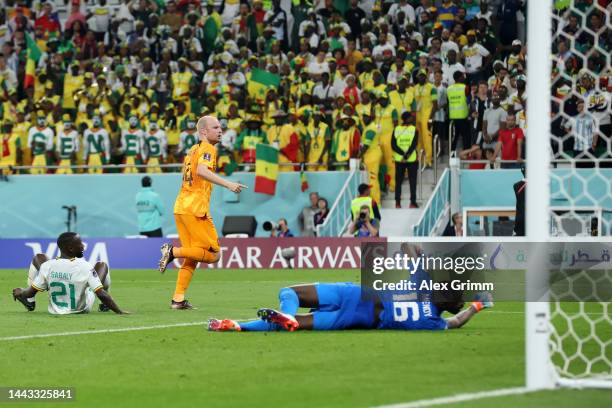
<point>323,80</point>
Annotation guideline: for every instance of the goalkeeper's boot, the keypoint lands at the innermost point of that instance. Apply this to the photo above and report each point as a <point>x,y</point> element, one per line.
<point>166,258</point>
<point>284,320</point>
<point>223,325</point>
<point>483,300</point>
<point>30,306</point>
<point>184,305</point>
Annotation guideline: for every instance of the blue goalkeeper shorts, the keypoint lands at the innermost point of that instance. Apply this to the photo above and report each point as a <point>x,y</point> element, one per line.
<point>341,307</point>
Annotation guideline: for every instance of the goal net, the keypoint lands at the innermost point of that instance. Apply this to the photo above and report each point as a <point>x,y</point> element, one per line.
<point>569,332</point>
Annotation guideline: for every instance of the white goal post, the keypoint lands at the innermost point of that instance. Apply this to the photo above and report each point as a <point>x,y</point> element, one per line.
<point>543,339</point>
<point>539,372</point>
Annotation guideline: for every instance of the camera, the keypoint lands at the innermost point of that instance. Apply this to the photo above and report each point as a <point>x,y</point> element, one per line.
<point>362,215</point>
<point>270,225</point>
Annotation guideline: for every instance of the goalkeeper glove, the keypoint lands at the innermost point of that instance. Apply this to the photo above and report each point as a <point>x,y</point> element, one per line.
<point>483,300</point>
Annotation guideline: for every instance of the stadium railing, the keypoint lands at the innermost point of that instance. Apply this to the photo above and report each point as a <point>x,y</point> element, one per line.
<point>170,166</point>
<point>556,162</point>
<point>437,148</point>
<point>437,209</point>
<point>339,215</point>
<point>422,167</point>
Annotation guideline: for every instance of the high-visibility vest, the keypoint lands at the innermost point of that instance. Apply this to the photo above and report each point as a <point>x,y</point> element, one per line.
<point>457,102</point>
<point>359,202</point>
<point>404,135</point>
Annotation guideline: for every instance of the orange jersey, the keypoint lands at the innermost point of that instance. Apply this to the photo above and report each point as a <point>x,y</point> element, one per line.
<point>194,197</point>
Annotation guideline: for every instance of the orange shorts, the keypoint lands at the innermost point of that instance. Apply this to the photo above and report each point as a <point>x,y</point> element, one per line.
<point>198,232</point>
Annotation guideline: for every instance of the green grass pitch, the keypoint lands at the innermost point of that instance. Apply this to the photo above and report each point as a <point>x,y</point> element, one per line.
<point>188,366</point>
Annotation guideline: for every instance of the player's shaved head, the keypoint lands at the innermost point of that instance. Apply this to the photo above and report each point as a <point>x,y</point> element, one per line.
<point>70,245</point>
<point>204,122</point>
<point>209,129</point>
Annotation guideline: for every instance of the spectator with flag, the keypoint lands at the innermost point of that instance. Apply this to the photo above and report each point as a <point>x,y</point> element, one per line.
<point>10,148</point>
<point>345,142</point>
<point>248,140</point>
<point>259,81</point>
<point>33,55</point>
<point>284,137</point>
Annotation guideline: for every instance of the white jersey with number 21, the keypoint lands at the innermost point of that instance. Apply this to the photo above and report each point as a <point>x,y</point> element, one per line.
<point>71,284</point>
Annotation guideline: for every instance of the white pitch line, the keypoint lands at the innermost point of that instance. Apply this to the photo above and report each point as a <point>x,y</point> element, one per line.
<point>460,398</point>
<point>516,312</point>
<point>119,330</point>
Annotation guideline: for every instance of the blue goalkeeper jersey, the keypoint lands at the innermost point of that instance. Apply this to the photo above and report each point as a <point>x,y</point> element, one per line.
<point>411,316</point>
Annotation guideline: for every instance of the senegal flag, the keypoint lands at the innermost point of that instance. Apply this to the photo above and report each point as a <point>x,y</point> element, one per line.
<point>33,57</point>
<point>260,81</point>
<point>266,169</point>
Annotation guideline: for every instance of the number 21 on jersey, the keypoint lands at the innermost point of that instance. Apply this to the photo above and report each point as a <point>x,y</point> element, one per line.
<point>61,292</point>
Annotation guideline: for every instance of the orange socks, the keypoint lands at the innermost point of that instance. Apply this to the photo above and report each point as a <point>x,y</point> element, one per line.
<point>183,280</point>
<point>196,254</point>
<point>192,257</point>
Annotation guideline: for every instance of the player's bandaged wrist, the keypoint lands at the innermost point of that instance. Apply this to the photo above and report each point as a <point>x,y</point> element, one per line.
<point>478,306</point>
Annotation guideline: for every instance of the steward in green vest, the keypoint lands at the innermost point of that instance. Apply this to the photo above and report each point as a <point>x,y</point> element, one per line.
<point>364,199</point>
<point>404,143</point>
<point>458,111</point>
<point>457,101</point>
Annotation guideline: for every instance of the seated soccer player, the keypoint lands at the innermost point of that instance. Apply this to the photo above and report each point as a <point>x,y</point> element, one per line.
<point>70,280</point>
<point>339,306</point>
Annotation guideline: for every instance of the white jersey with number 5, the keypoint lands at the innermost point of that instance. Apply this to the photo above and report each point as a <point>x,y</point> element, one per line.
<point>71,284</point>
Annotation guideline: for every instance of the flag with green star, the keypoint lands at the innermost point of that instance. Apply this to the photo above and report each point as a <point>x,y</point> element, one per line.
<point>341,144</point>
<point>259,83</point>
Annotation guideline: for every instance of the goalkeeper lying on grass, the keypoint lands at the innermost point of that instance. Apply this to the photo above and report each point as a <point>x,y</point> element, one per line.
<point>339,306</point>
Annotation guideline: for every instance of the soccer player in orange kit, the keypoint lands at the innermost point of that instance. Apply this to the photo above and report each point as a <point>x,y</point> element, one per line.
<point>196,231</point>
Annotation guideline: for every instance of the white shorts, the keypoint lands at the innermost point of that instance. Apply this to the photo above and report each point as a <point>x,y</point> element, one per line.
<point>89,300</point>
